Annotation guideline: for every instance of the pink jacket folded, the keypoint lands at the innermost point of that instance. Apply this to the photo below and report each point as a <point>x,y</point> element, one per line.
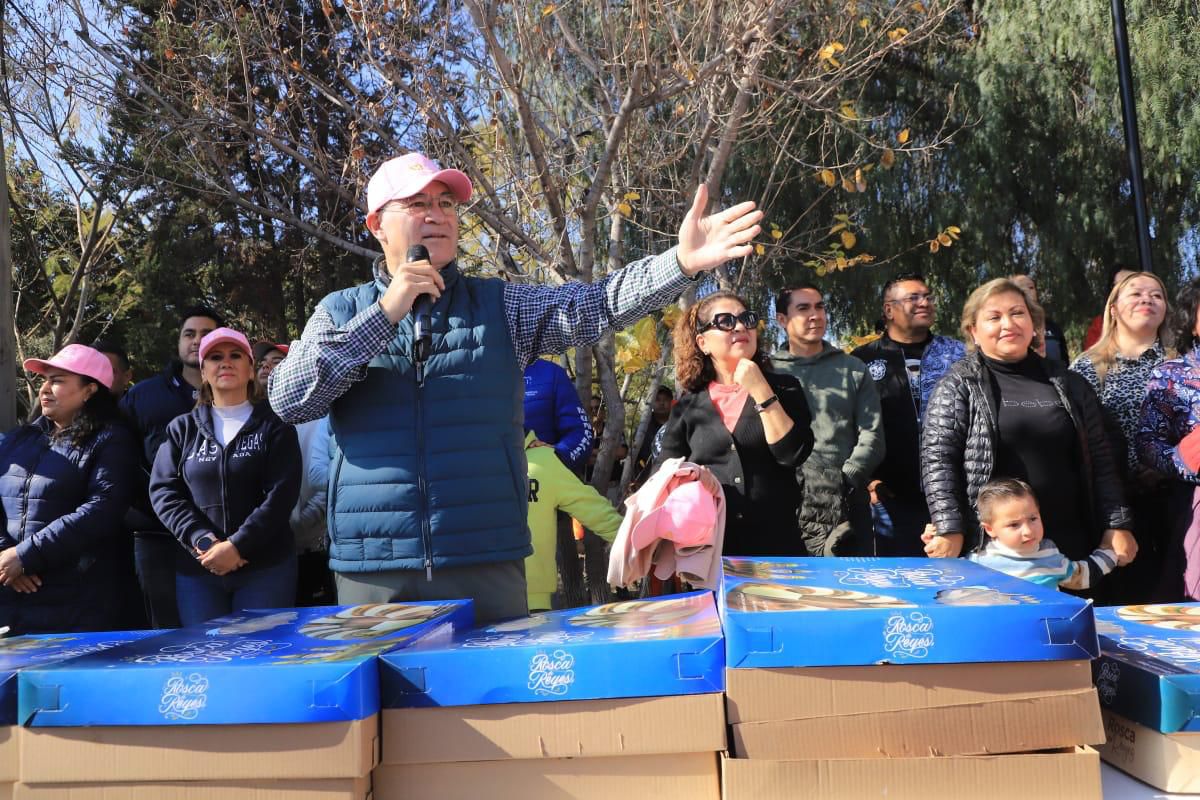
<point>675,524</point>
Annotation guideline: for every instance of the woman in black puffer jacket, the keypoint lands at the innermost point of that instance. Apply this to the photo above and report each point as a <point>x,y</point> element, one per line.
<point>1004,411</point>
<point>64,489</point>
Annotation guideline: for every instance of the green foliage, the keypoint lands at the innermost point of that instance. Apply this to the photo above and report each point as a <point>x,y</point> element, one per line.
<point>1036,177</point>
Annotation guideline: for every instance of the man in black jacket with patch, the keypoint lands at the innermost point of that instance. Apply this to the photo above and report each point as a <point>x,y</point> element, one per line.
<point>906,362</point>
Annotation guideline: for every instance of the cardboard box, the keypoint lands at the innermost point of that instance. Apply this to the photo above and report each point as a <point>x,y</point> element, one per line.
<point>318,750</point>
<point>571,728</point>
<point>1070,775</point>
<point>760,695</point>
<point>1005,726</point>
<point>358,789</point>
<point>690,776</point>
<point>10,754</point>
<point>263,666</point>
<point>815,612</point>
<point>636,648</point>
<point>1149,668</point>
<point>1170,762</point>
<point>23,652</point>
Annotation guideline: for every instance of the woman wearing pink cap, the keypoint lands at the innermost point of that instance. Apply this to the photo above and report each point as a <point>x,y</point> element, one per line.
<point>224,483</point>
<point>64,488</point>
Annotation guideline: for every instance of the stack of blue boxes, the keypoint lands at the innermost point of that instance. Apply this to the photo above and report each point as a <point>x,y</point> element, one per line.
<point>266,704</point>
<point>1148,677</point>
<point>904,677</point>
<point>618,700</point>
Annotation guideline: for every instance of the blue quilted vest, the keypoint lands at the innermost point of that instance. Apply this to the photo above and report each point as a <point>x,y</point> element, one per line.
<point>431,476</point>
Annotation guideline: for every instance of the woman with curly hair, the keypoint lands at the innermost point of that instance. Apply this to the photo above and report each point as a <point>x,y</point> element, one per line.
<point>64,488</point>
<point>1168,441</point>
<point>749,427</point>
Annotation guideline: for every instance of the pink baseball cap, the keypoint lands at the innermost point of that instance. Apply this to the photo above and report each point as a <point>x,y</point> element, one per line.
<point>262,348</point>
<point>407,175</point>
<point>77,358</point>
<point>221,336</point>
<point>688,517</point>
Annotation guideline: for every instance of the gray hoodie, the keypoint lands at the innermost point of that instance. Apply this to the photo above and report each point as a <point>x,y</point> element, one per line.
<point>846,418</point>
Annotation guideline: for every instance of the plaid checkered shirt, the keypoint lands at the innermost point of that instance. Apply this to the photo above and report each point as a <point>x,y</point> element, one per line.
<point>542,320</point>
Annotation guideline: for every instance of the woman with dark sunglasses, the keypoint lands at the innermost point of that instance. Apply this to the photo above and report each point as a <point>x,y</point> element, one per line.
<point>749,427</point>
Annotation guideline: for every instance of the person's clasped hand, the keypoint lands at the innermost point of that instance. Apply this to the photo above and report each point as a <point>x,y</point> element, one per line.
<point>12,573</point>
<point>222,558</point>
<point>946,546</point>
<point>1122,543</point>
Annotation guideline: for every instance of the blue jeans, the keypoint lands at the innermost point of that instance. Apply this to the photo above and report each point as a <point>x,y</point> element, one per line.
<point>204,596</point>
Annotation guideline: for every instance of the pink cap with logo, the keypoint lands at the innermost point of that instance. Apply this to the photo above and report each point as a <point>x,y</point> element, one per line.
<point>687,517</point>
<point>407,175</point>
<point>222,336</point>
<point>77,358</point>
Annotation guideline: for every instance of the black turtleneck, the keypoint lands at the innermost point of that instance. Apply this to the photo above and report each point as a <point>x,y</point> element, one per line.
<point>1038,444</point>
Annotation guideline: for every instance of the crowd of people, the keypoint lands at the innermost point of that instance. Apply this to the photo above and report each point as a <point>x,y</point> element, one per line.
<point>376,459</point>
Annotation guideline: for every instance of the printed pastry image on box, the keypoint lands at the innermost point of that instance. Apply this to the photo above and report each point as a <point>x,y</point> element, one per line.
<point>25,652</point>
<point>635,648</point>
<point>1149,666</point>
<point>263,666</point>
<point>811,612</point>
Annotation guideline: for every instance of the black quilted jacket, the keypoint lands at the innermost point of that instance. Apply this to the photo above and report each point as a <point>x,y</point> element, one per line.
<point>958,449</point>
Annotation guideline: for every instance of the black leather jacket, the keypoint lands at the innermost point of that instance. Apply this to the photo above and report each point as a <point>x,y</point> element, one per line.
<point>958,447</point>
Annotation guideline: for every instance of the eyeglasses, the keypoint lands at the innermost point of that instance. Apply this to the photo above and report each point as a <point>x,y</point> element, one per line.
<point>726,321</point>
<point>420,206</point>
<point>913,299</point>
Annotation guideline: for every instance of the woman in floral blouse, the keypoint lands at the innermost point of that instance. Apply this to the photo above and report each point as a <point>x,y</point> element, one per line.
<point>1168,441</point>
<point>1119,366</point>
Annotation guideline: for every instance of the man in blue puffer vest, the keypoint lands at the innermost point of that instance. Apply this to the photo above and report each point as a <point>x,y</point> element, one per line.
<point>427,477</point>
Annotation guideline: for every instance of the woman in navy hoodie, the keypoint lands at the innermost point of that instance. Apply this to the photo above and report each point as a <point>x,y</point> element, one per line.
<point>64,488</point>
<point>224,483</point>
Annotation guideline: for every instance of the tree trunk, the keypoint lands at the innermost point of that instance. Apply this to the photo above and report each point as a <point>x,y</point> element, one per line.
<point>8,341</point>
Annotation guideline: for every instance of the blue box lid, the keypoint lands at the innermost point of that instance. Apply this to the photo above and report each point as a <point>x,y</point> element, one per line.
<point>22,652</point>
<point>272,665</point>
<point>817,612</point>
<point>1149,667</point>
<point>637,648</point>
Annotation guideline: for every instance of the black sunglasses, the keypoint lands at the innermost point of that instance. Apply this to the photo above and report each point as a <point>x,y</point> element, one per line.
<point>725,321</point>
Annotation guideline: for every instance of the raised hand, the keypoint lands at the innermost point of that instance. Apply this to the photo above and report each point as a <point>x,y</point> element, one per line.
<point>705,243</point>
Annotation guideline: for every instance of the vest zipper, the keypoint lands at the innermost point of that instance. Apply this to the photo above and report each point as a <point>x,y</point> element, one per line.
<point>426,534</point>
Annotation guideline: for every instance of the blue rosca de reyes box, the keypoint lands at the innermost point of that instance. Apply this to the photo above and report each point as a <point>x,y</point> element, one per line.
<point>262,666</point>
<point>26,652</point>
<point>637,648</point>
<point>816,612</point>
<point>1149,666</point>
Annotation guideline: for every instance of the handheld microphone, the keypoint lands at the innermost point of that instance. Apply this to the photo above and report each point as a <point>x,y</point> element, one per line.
<point>422,310</point>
